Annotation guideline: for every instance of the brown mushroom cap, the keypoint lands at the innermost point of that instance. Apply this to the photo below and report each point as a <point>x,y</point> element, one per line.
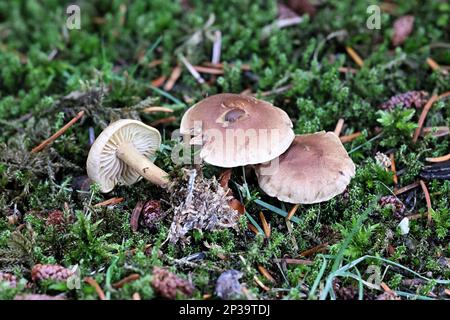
<point>103,165</point>
<point>314,169</point>
<point>238,130</point>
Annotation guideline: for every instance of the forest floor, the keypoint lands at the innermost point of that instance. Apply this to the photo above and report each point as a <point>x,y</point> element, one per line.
<point>60,238</point>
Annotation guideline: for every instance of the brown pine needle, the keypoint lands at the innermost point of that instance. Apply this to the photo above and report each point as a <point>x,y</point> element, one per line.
<point>208,70</point>
<point>109,202</point>
<point>439,159</point>
<point>422,117</point>
<point>176,73</point>
<point>95,285</point>
<point>295,261</point>
<point>244,67</point>
<point>347,70</point>
<point>350,137</point>
<point>352,53</point>
<point>427,198</point>
<point>386,288</point>
<point>415,216</point>
<point>441,131</point>
<point>158,82</point>
<point>433,64</point>
<point>259,283</point>
<point>155,63</point>
<point>292,212</point>
<point>406,188</point>
<point>339,126</point>
<point>253,228</point>
<point>265,225</point>
<point>163,121</point>
<point>266,273</point>
<point>157,109</point>
<point>320,248</point>
<point>444,95</point>
<point>127,279</point>
<point>59,133</point>
<point>393,169</point>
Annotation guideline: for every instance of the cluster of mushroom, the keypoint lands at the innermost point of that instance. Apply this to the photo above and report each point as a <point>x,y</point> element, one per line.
<point>233,130</point>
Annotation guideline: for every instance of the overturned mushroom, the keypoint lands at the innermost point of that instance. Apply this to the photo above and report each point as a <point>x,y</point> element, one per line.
<point>237,130</point>
<point>315,168</point>
<point>121,154</point>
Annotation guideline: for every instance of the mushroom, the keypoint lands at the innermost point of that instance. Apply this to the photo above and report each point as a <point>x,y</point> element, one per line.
<point>121,154</point>
<point>315,168</point>
<point>237,130</point>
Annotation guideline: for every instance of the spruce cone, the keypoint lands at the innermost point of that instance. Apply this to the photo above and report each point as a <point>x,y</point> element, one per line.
<point>50,271</point>
<point>55,218</point>
<point>398,208</point>
<point>8,277</point>
<point>168,284</point>
<point>151,213</point>
<point>406,100</point>
<point>382,160</point>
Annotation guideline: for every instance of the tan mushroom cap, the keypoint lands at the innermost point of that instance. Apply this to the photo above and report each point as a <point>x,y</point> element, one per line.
<point>104,167</point>
<point>314,169</point>
<point>237,130</point>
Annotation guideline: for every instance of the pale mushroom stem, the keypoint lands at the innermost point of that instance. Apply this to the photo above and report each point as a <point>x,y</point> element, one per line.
<point>128,154</point>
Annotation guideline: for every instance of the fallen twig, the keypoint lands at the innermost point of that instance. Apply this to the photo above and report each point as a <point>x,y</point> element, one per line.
<point>60,132</point>
<point>427,198</point>
<point>95,285</point>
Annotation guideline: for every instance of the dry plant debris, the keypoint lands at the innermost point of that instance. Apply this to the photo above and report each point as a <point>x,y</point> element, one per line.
<point>199,204</point>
